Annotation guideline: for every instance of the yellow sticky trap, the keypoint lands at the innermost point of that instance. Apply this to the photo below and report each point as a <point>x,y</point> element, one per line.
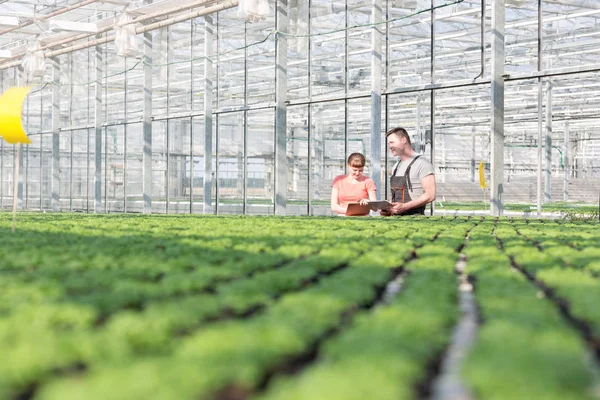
<point>482,182</point>
<point>11,110</point>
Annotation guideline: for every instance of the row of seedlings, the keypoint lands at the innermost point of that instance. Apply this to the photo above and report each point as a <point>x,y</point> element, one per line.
<point>525,349</point>
<point>237,356</point>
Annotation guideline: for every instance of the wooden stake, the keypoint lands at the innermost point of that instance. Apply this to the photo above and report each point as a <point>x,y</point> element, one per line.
<point>16,187</point>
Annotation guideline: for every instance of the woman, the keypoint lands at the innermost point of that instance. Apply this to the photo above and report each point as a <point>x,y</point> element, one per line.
<point>354,187</point>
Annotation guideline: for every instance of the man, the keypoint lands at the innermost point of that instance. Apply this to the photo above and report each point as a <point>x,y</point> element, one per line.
<point>412,182</point>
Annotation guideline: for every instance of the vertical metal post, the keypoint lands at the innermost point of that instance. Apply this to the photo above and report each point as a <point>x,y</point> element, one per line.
<point>191,164</point>
<point>566,162</point>
<point>387,99</point>
<point>20,79</point>
<point>482,38</point>
<point>208,116</point>
<point>497,118</point>
<point>346,88</point>
<point>71,134</point>
<point>147,125</point>
<point>432,95</point>
<point>168,127</point>
<point>376,60</point>
<point>71,184</point>
<point>217,116</point>
<point>473,154</point>
<point>245,124</point>
<point>548,144</point>
<point>309,119</point>
<point>126,101</point>
<point>41,151</point>
<point>25,166</point>
<point>281,46</point>
<point>88,123</point>
<point>55,135</point>
<point>98,130</point>
<point>540,105</point>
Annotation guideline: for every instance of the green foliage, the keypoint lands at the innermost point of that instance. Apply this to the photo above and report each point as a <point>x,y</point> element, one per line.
<point>178,307</point>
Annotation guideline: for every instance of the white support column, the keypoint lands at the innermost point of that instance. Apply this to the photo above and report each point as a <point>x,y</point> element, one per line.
<point>98,130</point>
<point>497,97</point>
<point>208,117</point>
<point>147,125</point>
<point>548,145</point>
<point>55,183</point>
<point>281,108</point>
<point>566,163</point>
<point>540,105</point>
<point>376,58</point>
<point>432,96</point>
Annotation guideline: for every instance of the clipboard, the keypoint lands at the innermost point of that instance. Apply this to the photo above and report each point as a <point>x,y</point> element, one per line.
<point>380,205</point>
<point>355,209</point>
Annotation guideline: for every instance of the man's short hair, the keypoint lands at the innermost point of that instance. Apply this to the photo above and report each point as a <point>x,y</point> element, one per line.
<point>401,133</point>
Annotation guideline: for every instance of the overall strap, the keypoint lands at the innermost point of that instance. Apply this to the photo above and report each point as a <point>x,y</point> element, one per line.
<point>407,173</point>
<point>407,169</point>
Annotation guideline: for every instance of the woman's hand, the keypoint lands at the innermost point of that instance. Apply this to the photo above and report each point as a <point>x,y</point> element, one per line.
<point>363,202</point>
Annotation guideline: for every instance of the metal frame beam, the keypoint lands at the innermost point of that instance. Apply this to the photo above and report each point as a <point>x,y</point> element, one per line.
<point>548,145</point>
<point>497,107</point>
<point>208,112</point>
<point>98,130</point>
<point>147,125</point>
<point>281,46</point>
<point>376,62</point>
<point>55,135</point>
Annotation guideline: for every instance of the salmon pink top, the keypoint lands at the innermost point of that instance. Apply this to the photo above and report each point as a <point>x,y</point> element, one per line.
<point>349,192</point>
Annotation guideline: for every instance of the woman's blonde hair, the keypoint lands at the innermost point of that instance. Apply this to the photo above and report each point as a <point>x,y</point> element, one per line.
<point>356,160</point>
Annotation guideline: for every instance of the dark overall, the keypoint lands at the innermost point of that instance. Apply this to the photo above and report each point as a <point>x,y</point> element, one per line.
<point>400,186</point>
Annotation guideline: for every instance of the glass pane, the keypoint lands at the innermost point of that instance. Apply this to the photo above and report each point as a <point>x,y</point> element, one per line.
<point>230,153</point>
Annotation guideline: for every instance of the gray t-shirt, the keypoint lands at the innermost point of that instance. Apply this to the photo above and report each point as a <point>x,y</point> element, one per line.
<point>419,170</point>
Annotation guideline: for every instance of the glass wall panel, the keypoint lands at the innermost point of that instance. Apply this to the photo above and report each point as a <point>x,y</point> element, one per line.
<point>327,152</point>
<point>231,60</point>
<point>230,153</point>
<point>81,170</point>
<point>114,87</point>
<point>521,37</point>
<point>409,47</point>
<point>32,163</point>
<point>298,65</point>
<point>261,163</point>
<point>197,56</point>
<point>115,167</point>
<point>180,68</point>
<point>298,160</point>
<point>359,47</point>
<point>458,41</point>
<point>195,171</point>
<point>261,62</point>
<point>161,71</point>
<point>64,161</point>
<point>159,166</point>
<point>134,163</point>
<point>46,142</point>
<point>327,48</point>
<point>179,161</point>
